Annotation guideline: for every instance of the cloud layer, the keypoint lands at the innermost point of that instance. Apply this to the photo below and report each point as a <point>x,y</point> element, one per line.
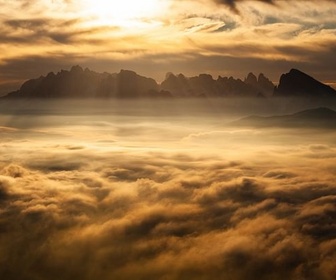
<point>76,205</point>
<point>232,4</point>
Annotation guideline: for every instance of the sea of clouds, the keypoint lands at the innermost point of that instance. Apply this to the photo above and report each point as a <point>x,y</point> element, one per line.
<point>179,197</point>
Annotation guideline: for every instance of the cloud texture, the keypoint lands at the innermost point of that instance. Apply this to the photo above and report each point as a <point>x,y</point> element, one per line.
<point>232,4</point>
<point>230,38</point>
<point>110,208</point>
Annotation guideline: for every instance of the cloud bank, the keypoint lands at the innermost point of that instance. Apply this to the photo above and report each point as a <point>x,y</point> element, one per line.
<point>76,209</point>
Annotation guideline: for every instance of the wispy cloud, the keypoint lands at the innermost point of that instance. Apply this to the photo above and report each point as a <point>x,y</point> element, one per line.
<point>301,33</point>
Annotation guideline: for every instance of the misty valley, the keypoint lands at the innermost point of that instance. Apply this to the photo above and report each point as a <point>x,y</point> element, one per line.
<point>167,189</point>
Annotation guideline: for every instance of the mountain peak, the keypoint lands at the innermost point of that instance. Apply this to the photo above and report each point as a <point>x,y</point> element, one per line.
<point>294,70</point>
<point>262,84</point>
<point>251,79</point>
<point>168,74</point>
<point>261,77</point>
<point>79,83</point>
<point>318,113</point>
<point>296,83</point>
<point>76,69</point>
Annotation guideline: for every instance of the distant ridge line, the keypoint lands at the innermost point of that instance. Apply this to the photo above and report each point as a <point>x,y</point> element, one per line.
<point>322,117</point>
<point>85,83</point>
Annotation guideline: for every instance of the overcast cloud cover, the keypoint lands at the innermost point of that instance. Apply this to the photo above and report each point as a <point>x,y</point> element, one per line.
<point>184,197</point>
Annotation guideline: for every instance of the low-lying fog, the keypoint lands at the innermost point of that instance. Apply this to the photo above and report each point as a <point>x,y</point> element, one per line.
<point>163,190</point>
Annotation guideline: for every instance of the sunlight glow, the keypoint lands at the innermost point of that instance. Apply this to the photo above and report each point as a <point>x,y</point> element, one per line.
<point>125,12</point>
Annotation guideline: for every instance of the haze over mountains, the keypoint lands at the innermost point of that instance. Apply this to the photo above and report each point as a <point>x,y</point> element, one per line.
<point>311,118</point>
<point>79,83</point>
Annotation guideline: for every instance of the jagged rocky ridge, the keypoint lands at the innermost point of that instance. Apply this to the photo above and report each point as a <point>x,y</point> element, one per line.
<point>205,86</point>
<point>79,83</point>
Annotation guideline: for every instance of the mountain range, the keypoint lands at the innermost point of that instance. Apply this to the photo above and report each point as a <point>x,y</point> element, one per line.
<point>80,83</point>
<point>318,118</point>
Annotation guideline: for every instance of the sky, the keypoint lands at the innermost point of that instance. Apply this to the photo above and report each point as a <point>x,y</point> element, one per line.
<point>164,189</point>
<point>153,37</point>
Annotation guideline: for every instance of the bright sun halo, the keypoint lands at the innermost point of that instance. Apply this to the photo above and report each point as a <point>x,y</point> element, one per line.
<point>123,12</point>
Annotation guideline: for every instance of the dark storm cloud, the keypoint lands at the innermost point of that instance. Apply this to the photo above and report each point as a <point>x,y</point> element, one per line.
<point>125,215</point>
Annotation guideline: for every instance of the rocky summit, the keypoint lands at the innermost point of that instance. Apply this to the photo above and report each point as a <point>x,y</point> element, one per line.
<point>299,84</point>
<point>79,83</point>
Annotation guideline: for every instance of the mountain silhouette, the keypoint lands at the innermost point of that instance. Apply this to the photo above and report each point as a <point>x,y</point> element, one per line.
<point>204,85</point>
<point>299,84</point>
<point>318,118</point>
<point>79,83</point>
<point>262,84</point>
